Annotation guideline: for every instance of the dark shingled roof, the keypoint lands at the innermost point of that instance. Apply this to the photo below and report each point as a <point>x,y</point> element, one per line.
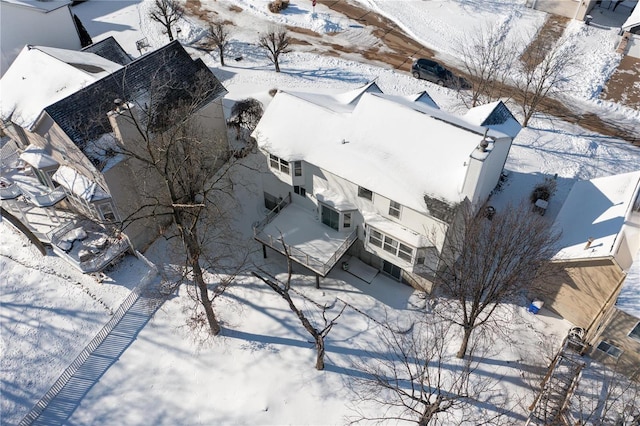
<point>499,115</point>
<point>163,77</point>
<point>109,49</point>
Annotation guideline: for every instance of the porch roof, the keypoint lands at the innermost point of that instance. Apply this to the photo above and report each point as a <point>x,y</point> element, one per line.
<point>37,157</point>
<point>334,200</point>
<point>396,230</point>
<point>309,242</point>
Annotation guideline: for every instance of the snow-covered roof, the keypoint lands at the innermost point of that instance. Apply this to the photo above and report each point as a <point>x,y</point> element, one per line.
<point>341,102</point>
<point>75,182</point>
<point>334,200</point>
<point>396,230</point>
<point>42,6</point>
<point>41,76</point>
<point>633,20</point>
<point>37,157</point>
<point>596,209</point>
<point>494,115</point>
<point>388,144</point>
<point>629,297</point>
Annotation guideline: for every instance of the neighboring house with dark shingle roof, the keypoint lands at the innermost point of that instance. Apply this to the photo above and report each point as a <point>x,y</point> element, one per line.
<point>109,49</point>
<point>70,103</point>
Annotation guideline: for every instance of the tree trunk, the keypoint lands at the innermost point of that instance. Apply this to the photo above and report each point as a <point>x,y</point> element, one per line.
<point>198,276</point>
<point>169,33</point>
<point>277,65</point>
<point>221,56</point>
<point>319,352</point>
<point>430,410</point>
<point>214,325</point>
<point>465,342</point>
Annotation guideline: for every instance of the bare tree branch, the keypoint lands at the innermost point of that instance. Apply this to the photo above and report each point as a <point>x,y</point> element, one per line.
<point>276,42</point>
<point>166,13</point>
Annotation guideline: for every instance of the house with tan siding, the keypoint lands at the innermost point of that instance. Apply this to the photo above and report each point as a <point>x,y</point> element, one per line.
<point>68,115</point>
<point>598,286</point>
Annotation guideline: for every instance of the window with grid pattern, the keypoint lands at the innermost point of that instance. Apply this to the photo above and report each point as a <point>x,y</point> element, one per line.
<point>394,209</point>
<point>609,349</point>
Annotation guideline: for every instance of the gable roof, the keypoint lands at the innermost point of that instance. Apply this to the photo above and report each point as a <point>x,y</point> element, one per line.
<point>345,101</point>
<point>83,114</point>
<point>393,146</point>
<point>597,209</point>
<point>494,115</point>
<point>41,76</point>
<point>109,49</point>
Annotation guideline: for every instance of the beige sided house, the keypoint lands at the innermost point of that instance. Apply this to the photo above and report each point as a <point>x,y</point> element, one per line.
<point>374,176</point>
<point>599,287</point>
<point>66,113</point>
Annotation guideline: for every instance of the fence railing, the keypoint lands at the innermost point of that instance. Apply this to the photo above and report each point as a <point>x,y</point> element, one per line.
<point>68,373</point>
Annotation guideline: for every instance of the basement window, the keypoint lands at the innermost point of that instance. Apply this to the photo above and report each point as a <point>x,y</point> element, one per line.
<point>609,349</point>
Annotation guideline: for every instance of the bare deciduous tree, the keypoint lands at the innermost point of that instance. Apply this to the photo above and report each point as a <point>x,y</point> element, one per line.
<point>605,396</point>
<point>318,334</point>
<point>276,42</point>
<point>181,171</point>
<point>485,262</point>
<point>543,68</point>
<point>166,13</point>
<point>414,377</point>
<point>219,36</point>
<point>487,58</point>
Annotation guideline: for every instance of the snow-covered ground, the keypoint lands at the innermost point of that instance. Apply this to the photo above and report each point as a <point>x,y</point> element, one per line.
<point>260,371</point>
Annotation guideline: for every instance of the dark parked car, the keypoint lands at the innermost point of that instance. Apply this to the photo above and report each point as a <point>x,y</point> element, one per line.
<point>431,70</point>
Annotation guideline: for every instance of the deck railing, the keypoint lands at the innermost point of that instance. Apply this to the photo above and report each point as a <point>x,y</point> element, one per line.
<point>272,213</point>
<point>305,259</point>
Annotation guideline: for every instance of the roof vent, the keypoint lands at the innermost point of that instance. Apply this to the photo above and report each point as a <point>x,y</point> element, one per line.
<point>589,242</point>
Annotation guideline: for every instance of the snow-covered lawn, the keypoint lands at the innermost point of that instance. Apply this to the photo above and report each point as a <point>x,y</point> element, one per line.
<point>260,371</point>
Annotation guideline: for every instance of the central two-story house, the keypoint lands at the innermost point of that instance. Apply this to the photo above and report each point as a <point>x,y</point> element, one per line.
<point>374,174</point>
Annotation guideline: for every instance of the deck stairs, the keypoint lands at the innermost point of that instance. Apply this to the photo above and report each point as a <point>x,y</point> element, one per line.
<point>551,406</point>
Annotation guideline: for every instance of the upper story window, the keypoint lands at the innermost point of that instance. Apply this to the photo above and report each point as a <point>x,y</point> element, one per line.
<point>365,193</point>
<point>346,220</point>
<point>394,209</point>
<point>635,332</point>
<point>278,164</point>
<point>297,168</point>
